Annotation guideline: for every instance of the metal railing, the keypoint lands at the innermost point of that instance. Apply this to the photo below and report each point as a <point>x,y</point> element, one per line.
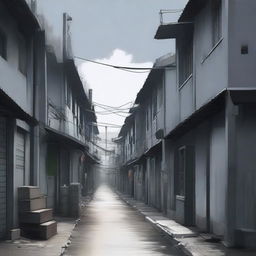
<point>170,11</point>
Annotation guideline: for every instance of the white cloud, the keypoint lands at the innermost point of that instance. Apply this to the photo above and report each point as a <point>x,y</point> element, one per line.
<point>112,86</point>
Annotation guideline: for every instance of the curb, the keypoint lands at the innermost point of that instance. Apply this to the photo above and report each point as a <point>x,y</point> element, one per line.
<point>69,241</point>
<point>160,229</point>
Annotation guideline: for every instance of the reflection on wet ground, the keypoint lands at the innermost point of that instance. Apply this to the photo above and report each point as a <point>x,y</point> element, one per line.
<point>109,227</point>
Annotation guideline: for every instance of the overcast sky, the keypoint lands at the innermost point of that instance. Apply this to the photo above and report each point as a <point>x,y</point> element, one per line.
<point>120,32</point>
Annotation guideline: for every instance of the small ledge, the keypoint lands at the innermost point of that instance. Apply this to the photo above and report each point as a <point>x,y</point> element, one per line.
<point>186,81</point>
<point>212,50</point>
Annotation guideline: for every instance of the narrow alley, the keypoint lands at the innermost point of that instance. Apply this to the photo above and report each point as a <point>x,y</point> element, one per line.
<point>110,227</point>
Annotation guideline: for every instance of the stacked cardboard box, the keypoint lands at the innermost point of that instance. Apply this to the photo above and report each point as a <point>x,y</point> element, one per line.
<point>36,221</point>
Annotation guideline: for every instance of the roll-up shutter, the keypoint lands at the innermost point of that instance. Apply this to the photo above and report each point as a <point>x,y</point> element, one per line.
<point>2,177</point>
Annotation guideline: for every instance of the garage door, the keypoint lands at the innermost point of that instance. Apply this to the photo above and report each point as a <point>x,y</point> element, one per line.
<point>20,160</point>
<point>19,175</point>
<point>2,177</point>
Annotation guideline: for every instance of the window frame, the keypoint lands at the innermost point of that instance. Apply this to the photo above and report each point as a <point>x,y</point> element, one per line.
<point>185,61</point>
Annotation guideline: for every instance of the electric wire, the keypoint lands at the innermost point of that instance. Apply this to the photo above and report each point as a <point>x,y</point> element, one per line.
<point>124,68</point>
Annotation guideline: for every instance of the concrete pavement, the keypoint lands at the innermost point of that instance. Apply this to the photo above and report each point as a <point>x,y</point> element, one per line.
<point>189,240</point>
<point>109,227</point>
<point>52,247</point>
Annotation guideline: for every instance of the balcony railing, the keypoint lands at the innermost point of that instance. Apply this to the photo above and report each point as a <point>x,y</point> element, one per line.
<point>164,13</point>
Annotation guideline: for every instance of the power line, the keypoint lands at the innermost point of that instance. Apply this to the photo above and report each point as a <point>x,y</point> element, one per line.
<point>110,124</point>
<point>124,68</point>
<point>96,103</point>
<point>113,112</point>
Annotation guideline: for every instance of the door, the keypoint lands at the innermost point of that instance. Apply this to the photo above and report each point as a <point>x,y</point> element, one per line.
<point>2,177</point>
<point>20,160</point>
<point>52,174</point>
<point>19,174</point>
<point>185,186</point>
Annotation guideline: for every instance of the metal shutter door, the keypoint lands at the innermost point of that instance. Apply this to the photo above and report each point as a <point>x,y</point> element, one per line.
<point>20,159</point>
<point>2,177</point>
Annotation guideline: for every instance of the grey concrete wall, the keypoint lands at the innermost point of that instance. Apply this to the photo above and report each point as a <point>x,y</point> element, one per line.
<point>140,123</point>
<point>75,166</point>
<point>201,163</point>
<point>218,175</point>
<point>186,100</point>
<point>210,74</point>
<point>42,165</point>
<point>55,92</point>
<point>245,168</point>
<point>241,33</point>
<point>18,86</point>
<point>171,101</point>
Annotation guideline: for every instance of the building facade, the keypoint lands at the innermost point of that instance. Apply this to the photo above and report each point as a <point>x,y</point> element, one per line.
<point>18,38</point>
<point>47,120</point>
<point>207,140</point>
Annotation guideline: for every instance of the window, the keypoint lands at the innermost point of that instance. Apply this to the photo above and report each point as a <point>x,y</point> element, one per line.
<point>217,20</point>
<point>160,93</point>
<point>185,61</point>
<point>73,106</point>
<point>68,96</point>
<point>133,132</point>
<point>22,56</point>
<point>81,126</point>
<point>148,116</point>
<point>154,103</point>
<point>3,45</point>
<point>181,172</point>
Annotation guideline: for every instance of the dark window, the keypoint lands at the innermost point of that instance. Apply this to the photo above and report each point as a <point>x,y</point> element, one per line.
<point>148,116</point>
<point>22,56</point>
<point>160,93</point>
<point>81,126</point>
<point>68,96</point>
<point>3,45</point>
<point>181,172</point>
<point>217,20</point>
<point>154,103</point>
<point>73,105</point>
<point>185,61</point>
<point>134,133</point>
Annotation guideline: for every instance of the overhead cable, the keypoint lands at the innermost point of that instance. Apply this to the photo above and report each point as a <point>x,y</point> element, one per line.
<point>124,68</point>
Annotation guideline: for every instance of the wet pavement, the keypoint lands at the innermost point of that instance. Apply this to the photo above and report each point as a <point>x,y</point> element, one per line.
<point>109,227</point>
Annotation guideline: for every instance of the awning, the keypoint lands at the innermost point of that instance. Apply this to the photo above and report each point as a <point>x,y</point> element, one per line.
<point>132,162</point>
<point>9,107</point>
<point>214,106</point>
<point>243,95</point>
<point>173,30</point>
<point>156,148</point>
<point>91,158</point>
<point>60,137</point>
